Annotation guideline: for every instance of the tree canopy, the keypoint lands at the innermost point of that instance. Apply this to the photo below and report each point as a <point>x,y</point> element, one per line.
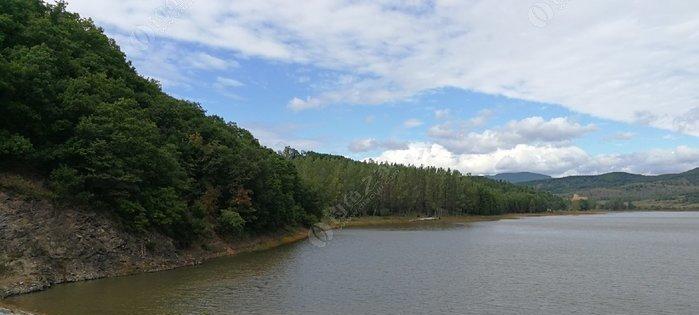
<point>366,188</point>
<point>74,109</point>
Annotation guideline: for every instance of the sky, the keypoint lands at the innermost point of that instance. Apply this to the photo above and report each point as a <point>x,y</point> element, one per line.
<point>559,87</point>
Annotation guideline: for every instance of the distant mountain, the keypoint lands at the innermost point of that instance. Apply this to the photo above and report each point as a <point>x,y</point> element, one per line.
<point>669,191</point>
<point>519,177</point>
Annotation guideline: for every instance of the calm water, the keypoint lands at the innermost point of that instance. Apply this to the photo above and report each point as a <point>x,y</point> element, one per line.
<point>624,263</point>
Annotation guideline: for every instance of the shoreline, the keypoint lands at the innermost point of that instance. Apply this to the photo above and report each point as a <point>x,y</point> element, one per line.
<point>191,257</point>
<point>11,310</point>
<point>273,240</point>
<point>407,221</point>
<point>188,257</point>
<point>253,244</point>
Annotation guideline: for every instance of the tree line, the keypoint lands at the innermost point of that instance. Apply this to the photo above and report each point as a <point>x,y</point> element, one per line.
<point>393,189</point>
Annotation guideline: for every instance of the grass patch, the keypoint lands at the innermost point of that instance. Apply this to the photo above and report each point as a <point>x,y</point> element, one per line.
<point>24,187</point>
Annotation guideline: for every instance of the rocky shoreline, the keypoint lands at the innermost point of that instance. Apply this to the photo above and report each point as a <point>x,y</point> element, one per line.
<point>41,245</point>
<point>7,311</point>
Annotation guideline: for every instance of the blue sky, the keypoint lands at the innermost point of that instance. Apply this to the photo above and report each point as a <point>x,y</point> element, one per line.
<point>533,92</point>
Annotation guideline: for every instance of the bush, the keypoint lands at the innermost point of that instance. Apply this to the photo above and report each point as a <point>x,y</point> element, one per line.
<point>14,145</point>
<point>65,182</point>
<point>24,187</point>
<point>231,222</point>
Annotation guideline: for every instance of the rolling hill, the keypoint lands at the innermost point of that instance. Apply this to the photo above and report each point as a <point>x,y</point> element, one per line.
<point>519,177</point>
<point>668,191</point>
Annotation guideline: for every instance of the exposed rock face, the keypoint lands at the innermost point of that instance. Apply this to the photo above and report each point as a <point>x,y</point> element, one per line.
<point>41,245</point>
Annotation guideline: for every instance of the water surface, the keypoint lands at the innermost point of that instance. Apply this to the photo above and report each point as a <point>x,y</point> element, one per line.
<point>621,263</point>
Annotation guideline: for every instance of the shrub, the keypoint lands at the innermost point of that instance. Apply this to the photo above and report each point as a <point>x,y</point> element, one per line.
<point>231,221</point>
<point>14,145</point>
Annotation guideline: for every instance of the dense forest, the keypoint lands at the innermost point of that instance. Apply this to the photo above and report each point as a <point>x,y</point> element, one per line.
<point>76,114</point>
<point>368,188</point>
<point>74,110</point>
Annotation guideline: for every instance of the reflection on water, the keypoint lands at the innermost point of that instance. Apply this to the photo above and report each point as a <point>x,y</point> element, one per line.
<point>640,263</point>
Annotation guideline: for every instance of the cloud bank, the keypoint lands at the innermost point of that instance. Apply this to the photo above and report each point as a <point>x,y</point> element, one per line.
<point>530,144</point>
<point>614,60</point>
<point>547,159</point>
<point>533,130</point>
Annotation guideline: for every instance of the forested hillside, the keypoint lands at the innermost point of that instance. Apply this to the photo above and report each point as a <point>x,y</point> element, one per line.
<point>361,188</point>
<point>669,191</point>
<point>75,112</point>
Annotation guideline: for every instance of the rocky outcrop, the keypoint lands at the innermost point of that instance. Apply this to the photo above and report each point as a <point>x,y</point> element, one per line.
<point>41,245</point>
<point>7,311</point>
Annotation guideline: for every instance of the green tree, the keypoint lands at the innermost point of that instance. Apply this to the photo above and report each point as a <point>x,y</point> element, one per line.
<point>75,111</point>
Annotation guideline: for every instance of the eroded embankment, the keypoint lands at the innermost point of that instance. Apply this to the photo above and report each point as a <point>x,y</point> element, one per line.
<point>42,245</point>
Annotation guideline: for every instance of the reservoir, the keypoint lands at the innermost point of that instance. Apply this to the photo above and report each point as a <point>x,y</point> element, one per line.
<point>617,263</point>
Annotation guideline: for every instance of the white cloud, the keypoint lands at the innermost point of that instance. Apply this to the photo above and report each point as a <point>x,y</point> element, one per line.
<point>299,104</point>
<point>553,130</point>
<point>205,61</point>
<point>369,119</point>
<point>623,136</point>
<point>442,113</point>
<point>163,64</point>
<point>480,119</point>
<point>419,154</point>
<point>370,144</point>
<point>170,64</point>
<point>363,145</point>
<point>656,161</point>
<point>531,130</point>
<point>279,136</point>
<point>442,131</point>
<point>412,123</point>
<point>615,60</point>
<point>547,159</point>
<point>223,82</point>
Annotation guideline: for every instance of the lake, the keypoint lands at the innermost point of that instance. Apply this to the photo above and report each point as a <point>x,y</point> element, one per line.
<point>619,263</point>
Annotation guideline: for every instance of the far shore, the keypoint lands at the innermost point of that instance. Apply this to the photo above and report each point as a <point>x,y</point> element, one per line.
<point>414,220</point>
